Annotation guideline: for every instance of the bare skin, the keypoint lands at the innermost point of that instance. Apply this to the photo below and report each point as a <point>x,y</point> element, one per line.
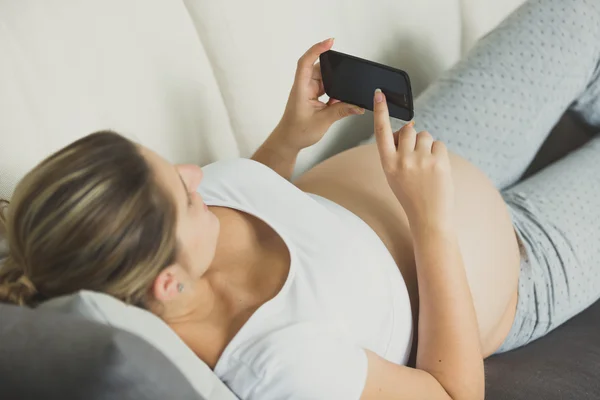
<point>488,244</point>
<point>355,180</point>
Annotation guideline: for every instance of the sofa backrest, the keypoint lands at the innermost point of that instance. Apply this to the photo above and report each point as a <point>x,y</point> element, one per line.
<point>68,68</point>
<point>200,80</point>
<point>253,47</point>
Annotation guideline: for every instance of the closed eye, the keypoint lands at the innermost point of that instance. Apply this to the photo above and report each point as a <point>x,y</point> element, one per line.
<point>187,192</point>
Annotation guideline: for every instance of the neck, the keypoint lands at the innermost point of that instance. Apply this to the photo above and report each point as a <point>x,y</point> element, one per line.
<point>208,315</point>
<point>215,309</point>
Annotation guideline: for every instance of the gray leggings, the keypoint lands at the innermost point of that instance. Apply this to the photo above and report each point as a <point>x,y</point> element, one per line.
<point>495,108</point>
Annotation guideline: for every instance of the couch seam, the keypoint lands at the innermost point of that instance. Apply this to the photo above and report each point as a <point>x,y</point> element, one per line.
<point>216,79</point>
<point>461,21</point>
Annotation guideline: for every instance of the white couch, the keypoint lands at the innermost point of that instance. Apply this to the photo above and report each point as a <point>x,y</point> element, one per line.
<point>201,80</point>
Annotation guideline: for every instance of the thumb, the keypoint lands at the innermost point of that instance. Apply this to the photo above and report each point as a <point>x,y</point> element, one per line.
<point>340,110</point>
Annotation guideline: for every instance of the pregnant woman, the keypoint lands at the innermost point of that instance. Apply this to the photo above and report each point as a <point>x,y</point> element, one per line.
<point>419,244</point>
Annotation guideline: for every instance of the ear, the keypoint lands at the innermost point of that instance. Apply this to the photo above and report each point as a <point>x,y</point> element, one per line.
<point>165,284</point>
<point>191,174</point>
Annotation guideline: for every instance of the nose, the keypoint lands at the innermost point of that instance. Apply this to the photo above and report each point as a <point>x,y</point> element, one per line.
<point>198,177</point>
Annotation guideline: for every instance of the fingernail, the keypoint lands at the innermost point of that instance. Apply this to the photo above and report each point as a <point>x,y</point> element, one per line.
<point>411,123</point>
<point>378,96</point>
<point>327,40</point>
<point>357,110</point>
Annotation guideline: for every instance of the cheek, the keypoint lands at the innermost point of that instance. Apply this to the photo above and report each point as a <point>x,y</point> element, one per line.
<point>199,235</point>
<point>194,260</point>
<point>193,242</point>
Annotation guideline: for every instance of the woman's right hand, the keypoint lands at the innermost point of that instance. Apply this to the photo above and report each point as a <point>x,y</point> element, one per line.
<point>417,169</point>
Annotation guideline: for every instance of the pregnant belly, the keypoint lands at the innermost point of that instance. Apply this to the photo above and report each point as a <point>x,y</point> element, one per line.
<point>355,180</point>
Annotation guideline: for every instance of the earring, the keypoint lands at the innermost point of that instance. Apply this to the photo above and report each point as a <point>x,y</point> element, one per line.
<point>180,287</point>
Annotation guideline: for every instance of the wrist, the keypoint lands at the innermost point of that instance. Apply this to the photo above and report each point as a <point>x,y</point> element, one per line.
<point>425,227</point>
<point>278,141</point>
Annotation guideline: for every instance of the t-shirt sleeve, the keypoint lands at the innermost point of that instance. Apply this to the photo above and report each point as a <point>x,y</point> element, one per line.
<point>323,368</point>
<point>241,180</point>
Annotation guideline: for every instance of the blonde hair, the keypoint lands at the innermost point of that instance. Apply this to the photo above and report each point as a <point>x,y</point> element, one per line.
<point>90,216</point>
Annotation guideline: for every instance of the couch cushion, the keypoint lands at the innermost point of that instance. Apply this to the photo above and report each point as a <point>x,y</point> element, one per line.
<point>565,364</point>
<point>254,46</point>
<point>69,68</point>
<point>481,16</point>
<point>45,355</point>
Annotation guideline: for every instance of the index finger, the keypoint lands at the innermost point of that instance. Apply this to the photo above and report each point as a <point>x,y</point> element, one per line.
<point>383,127</point>
<point>304,70</point>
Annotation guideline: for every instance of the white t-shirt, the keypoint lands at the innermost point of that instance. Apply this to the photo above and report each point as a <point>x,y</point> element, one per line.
<point>344,293</point>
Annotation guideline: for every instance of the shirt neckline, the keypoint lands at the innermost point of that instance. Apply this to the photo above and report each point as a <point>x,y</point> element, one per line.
<point>231,346</point>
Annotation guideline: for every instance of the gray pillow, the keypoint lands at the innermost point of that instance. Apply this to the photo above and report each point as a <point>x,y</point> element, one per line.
<point>47,355</point>
<point>107,310</point>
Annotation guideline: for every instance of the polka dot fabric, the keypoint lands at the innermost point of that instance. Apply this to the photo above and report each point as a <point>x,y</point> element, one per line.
<point>495,108</point>
<point>556,214</point>
<point>498,104</point>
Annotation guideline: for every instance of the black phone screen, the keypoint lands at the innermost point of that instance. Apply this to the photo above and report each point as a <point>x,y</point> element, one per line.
<point>354,80</point>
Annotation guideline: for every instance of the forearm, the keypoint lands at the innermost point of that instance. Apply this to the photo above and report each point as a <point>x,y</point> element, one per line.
<point>276,155</point>
<point>449,344</point>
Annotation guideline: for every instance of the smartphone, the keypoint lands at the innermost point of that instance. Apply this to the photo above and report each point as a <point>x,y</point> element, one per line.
<point>354,80</point>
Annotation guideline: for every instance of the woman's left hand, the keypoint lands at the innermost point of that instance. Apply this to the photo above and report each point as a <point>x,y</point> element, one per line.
<point>306,119</point>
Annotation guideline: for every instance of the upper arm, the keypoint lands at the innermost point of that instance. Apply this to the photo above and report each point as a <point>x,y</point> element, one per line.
<point>386,380</point>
